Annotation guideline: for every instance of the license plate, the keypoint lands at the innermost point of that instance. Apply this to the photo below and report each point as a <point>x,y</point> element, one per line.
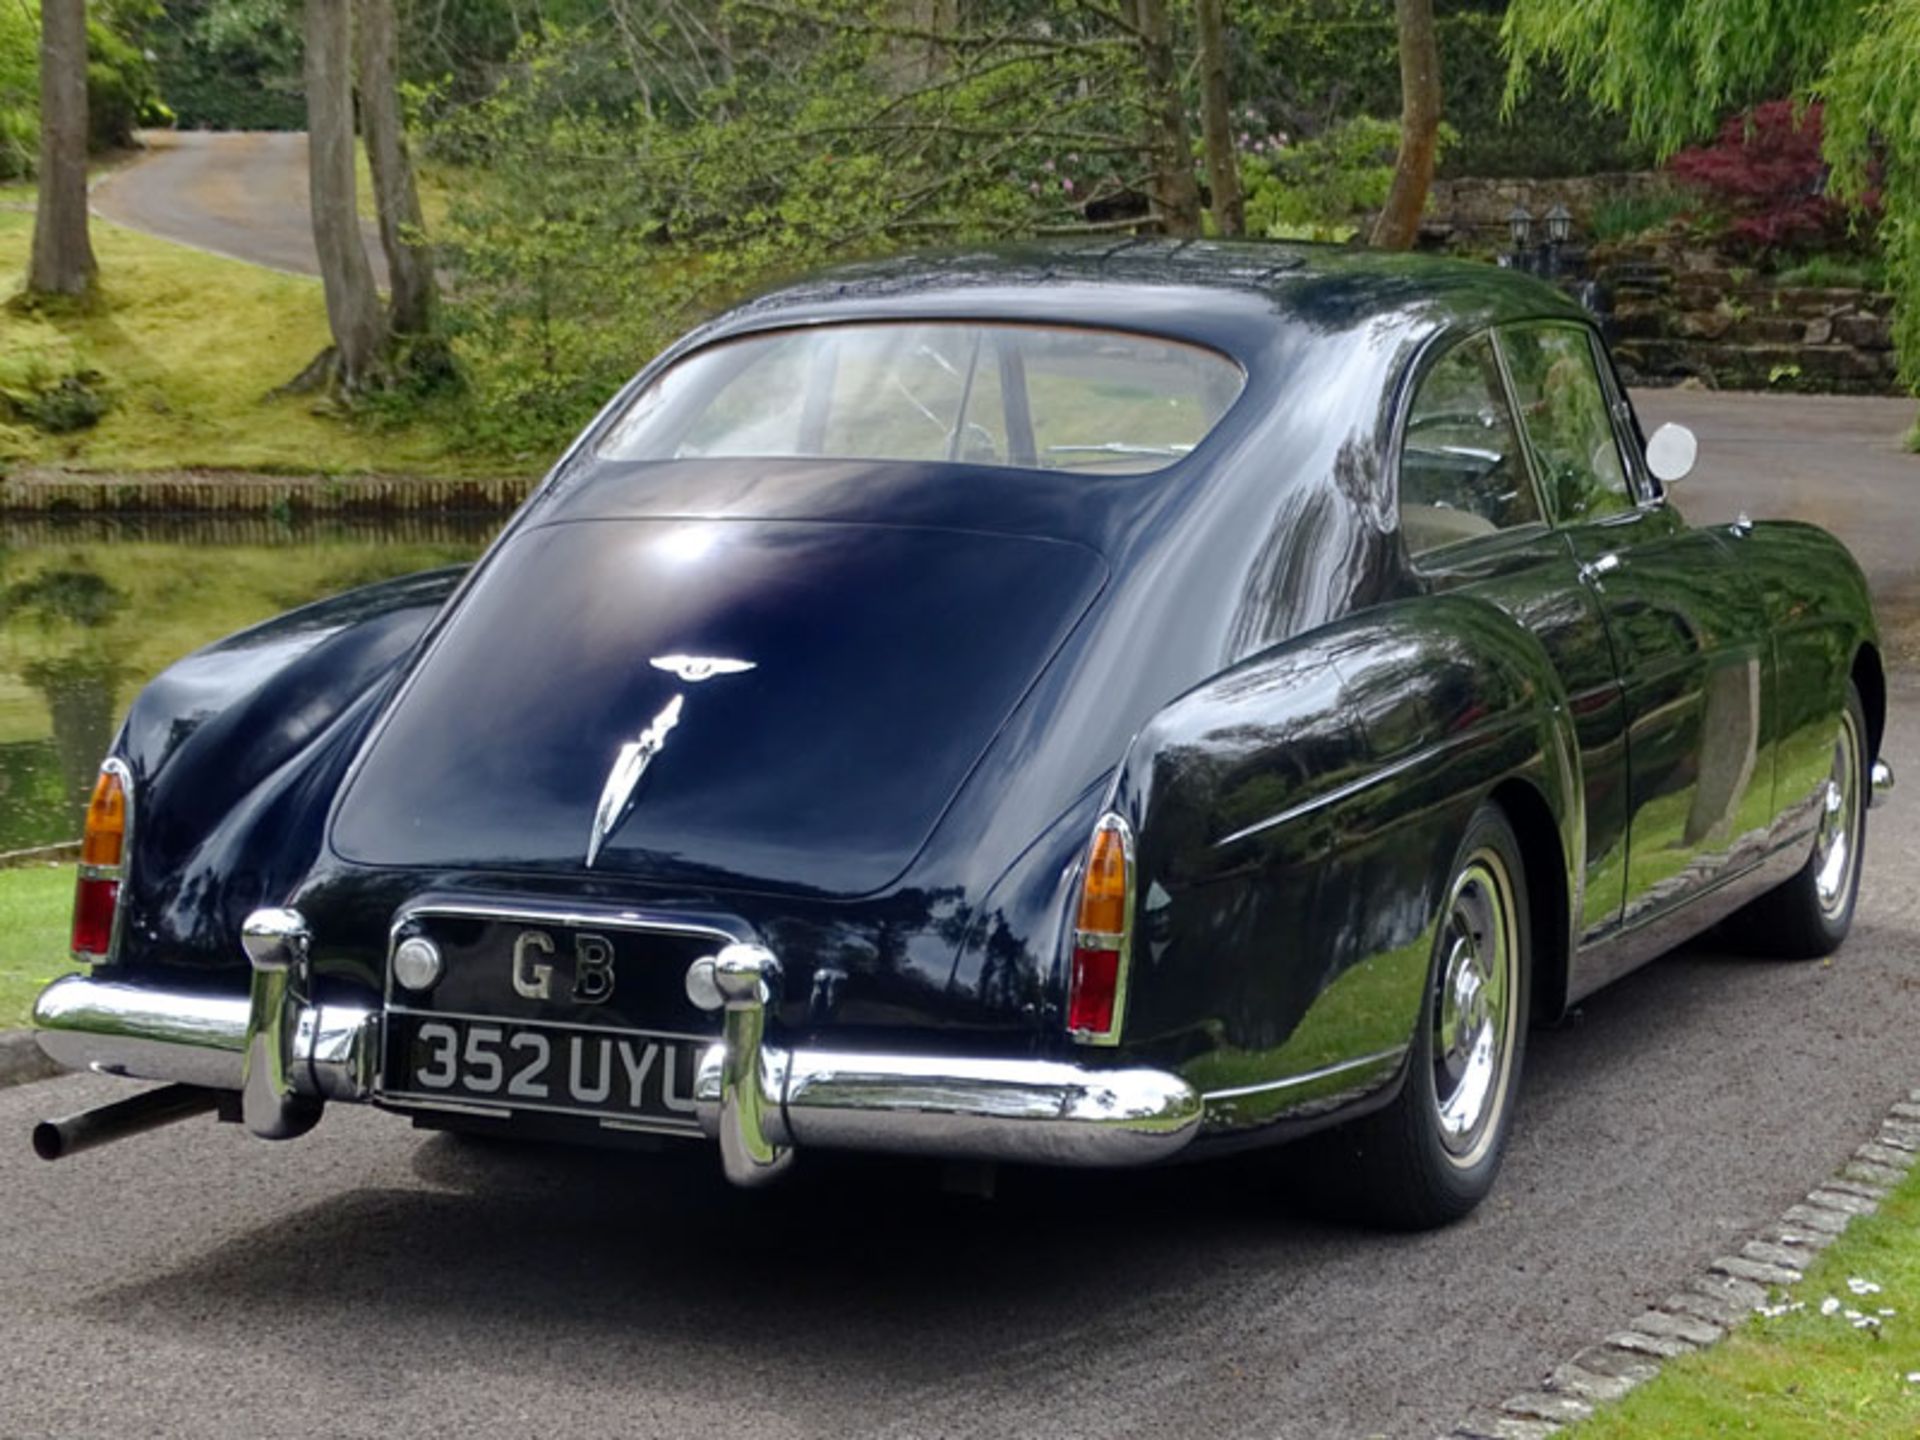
<point>470,1062</point>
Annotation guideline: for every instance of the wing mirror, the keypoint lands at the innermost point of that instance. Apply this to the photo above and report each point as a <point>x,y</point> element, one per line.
<point>1671,453</point>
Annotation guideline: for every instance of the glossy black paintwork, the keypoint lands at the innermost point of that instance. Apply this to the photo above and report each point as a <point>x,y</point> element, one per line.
<point>959,668</point>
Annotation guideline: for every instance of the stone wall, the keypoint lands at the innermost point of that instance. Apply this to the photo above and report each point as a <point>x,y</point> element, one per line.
<point>1470,214</point>
<point>1733,331</point>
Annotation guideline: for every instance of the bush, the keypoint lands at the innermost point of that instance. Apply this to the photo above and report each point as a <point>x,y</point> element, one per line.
<point>1766,169</point>
<point>57,405</point>
<point>121,94</point>
<point>1621,217</point>
<point>1323,188</point>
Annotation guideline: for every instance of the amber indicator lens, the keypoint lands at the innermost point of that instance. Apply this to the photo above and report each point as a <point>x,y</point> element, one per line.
<point>93,905</point>
<point>1103,894</point>
<point>106,833</point>
<point>1100,937</point>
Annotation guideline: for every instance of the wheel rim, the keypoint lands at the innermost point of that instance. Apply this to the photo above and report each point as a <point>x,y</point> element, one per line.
<point>1836,845</point>
<point>1473,1011</point>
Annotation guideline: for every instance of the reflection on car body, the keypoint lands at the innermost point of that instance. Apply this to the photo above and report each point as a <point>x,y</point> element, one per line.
<point>1077,705</point>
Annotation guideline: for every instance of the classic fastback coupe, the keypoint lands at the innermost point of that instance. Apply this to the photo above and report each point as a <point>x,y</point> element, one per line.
<point>1079,706</point>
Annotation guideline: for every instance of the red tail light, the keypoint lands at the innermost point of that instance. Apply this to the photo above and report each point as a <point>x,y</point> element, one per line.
<point>103,864</point>
<point>1103,924</point>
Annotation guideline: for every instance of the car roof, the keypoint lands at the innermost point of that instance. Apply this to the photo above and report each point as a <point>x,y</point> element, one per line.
<point>1232,295</point>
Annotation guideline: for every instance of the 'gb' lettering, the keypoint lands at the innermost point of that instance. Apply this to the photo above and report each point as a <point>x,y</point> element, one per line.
<point>592,969</point>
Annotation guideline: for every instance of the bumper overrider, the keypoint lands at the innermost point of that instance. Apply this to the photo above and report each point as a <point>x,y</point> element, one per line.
<point>286,1055</point>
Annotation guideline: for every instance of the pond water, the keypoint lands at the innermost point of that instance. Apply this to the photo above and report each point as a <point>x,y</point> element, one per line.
<point>92,607</point>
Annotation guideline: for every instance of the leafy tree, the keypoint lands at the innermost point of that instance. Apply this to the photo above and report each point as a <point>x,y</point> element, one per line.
<point>1676,67</point>
<point>627,175</point>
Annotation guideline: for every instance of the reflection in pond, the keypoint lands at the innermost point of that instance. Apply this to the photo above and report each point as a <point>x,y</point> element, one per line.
<point>92,609</point>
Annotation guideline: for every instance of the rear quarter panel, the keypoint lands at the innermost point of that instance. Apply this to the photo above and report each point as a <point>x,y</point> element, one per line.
<point>1298,818</point>
<point>1819,611</point>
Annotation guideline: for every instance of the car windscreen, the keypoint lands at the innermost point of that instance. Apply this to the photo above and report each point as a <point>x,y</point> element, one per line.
<point>1037,397</point>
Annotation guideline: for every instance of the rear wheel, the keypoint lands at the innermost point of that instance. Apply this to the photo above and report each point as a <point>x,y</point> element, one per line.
<point>1432,1155</point>
<point>1810,914</point>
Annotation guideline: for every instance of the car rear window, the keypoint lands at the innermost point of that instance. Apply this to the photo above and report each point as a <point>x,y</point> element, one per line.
<point>1097,402</point>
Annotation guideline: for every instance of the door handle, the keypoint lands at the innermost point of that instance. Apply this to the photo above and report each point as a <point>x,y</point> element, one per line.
<point>1592,570</point>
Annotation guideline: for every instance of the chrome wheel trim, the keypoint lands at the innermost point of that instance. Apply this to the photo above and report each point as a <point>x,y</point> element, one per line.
<point>1474,1016</point>
<point>1836,844</point>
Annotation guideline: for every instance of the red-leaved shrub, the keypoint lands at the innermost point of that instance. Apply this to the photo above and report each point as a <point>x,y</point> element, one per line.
<point>1765,167</point>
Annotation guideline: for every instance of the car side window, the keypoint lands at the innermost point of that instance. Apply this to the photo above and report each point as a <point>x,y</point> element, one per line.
<point>1564,410</point>
<point>1462,471</point>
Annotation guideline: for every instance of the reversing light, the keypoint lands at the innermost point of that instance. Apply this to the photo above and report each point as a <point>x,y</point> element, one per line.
<point>103,864</point>
<point>1102,936</point>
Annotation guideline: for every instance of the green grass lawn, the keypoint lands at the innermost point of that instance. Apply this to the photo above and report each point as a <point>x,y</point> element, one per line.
<point>188,347</point>
<point>1804,1375</point>
<point>36,903</point>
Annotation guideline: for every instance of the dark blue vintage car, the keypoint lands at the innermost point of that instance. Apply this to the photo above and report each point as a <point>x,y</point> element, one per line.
<point>1077,706</point>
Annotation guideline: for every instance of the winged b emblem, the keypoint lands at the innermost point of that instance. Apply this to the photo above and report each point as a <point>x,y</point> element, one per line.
<point>695,668</point>
<point>616,796</point>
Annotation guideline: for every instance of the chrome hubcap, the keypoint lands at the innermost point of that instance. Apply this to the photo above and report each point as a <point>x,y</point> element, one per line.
<point>1836,845</point>
<point>1473,1007</point>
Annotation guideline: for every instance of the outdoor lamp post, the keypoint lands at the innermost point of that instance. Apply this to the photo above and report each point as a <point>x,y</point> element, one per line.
<point>1559,225</point>
<point>1520,226</point>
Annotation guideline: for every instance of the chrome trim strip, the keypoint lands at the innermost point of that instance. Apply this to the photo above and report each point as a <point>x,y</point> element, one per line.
<point>1393,1053</point>
<point>1882,786</point>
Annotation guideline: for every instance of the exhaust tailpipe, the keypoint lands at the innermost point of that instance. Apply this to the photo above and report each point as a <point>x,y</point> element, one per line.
<point>149,1110</point>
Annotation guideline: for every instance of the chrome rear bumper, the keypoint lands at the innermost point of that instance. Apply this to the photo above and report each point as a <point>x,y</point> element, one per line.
<point>759,1101</point>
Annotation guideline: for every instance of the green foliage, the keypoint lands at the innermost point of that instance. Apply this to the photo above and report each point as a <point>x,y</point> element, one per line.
<point>1674,67</point>
<point>1321,189</point>
<point>1310,64</point>
<point>122,94</point>
<point>121,91</point>
<point>1873,115</point>
<point>597,218</point>
<point>229,64</point>
<point>1621,217</point>
<point>1849,272</point>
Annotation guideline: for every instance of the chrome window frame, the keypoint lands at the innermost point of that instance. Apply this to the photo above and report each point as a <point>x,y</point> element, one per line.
<point>1603,376</point>
<point>1415,377</point>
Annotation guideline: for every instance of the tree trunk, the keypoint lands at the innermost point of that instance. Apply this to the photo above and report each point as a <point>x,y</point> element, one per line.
<point>353,305</point>
<point>62,262</point>
<point>1216,119</point>
<point>1399,224</point>
<point>412,296</point>
<point>1175,195</point>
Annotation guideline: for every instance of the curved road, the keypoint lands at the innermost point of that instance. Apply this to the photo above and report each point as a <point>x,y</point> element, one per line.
<point>242,194</point>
